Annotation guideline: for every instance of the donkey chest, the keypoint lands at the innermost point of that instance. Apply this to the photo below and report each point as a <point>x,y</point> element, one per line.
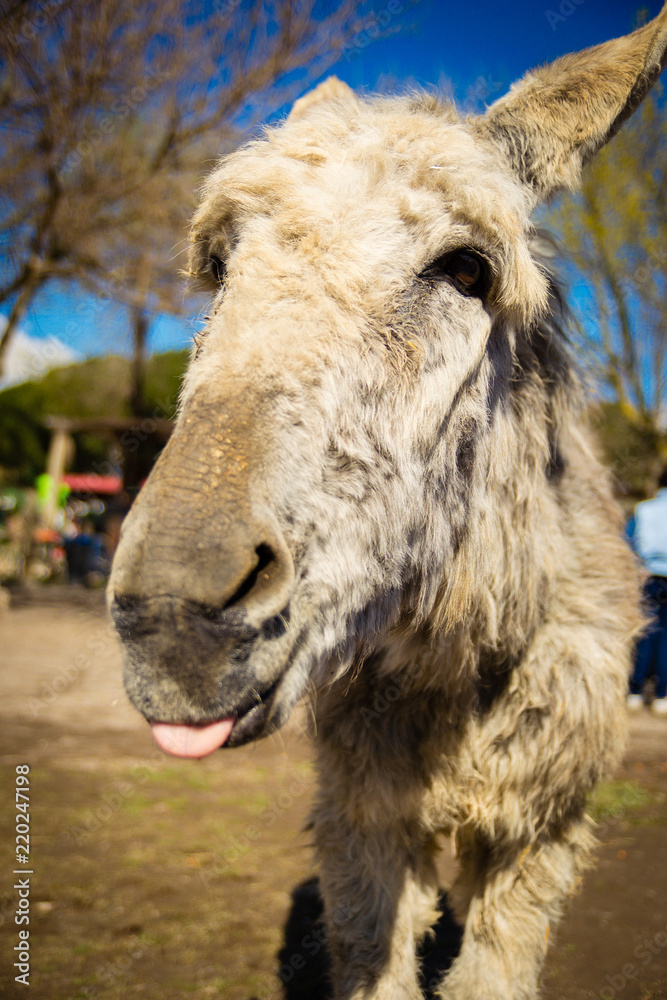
<point>400,758</point>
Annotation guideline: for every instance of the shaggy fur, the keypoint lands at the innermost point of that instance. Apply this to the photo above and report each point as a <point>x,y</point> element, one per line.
<point>381,491</point>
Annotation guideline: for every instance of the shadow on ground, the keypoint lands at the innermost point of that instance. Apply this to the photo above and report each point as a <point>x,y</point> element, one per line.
<point>304,963</point>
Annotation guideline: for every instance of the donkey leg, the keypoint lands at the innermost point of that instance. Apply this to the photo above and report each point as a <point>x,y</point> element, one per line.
<point>515,898</point>
<point>380,898</point>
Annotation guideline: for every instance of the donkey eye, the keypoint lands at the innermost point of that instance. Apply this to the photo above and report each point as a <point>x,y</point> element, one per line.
<point>217,268</point>
<point>466,268</point>
<point>468,271</point>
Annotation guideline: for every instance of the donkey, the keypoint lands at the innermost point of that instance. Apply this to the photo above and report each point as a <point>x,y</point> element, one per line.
<point>380,491</point>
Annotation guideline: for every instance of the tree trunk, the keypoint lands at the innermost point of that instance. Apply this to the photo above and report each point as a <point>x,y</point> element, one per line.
<point>16,314</point>
<point>137,400</point>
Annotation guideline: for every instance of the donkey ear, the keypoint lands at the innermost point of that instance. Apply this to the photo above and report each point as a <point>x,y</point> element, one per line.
<point>553,121</point>
<point>331,89</point>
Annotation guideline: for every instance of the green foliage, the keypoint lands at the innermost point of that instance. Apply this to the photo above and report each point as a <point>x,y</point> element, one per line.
<point>23,442</point>
<point>626,449</point>
<point>163,382</point>
<point>612,799</point>
<point>96,388</point>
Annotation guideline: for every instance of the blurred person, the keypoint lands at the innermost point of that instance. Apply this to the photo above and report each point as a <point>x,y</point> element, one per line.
<point>647,531</point>
<point>87,561</point>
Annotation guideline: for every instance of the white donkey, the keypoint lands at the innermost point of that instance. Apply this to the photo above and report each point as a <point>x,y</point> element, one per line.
<point>380,490</point>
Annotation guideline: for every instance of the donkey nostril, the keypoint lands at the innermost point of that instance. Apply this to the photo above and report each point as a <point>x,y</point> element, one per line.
<point>265,560</point>
<point>241,579</point>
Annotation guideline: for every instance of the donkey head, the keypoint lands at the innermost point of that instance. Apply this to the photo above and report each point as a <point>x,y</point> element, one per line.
<point>347,414</point>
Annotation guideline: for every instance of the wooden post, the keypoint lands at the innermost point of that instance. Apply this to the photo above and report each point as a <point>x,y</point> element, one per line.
<point>59,449</point>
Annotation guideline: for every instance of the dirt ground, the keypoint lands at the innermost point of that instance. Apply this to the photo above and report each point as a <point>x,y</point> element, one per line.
<point>158,878</point>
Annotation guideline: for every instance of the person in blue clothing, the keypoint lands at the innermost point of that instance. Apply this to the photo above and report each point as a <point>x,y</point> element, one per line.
<point>86,555</point>
<point>647,531</point>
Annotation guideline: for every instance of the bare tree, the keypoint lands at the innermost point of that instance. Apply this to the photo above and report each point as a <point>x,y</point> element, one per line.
<point>110,112</point>
<point>615,231</point>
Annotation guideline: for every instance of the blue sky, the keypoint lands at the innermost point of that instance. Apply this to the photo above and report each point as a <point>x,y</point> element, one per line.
<point>496,41</point>
<point>473,50</point>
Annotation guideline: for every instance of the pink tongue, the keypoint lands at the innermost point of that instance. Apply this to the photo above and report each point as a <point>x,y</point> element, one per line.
<point>191,741</point>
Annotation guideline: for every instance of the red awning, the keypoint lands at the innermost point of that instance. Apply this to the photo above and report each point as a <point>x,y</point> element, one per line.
<point>88,482</point>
